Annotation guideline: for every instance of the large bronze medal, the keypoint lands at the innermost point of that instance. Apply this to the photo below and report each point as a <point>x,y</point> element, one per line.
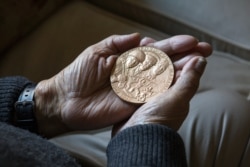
<point>141,73</point>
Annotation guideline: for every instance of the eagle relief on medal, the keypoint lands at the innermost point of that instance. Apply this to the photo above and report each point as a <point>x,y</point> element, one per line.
<point>141,73</point>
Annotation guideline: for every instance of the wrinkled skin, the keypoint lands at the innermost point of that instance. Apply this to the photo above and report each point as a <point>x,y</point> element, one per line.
<point>80,96</point>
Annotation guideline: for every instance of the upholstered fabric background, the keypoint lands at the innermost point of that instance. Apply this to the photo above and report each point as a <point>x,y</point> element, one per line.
<point>18,17</point>
<point>225,23</point>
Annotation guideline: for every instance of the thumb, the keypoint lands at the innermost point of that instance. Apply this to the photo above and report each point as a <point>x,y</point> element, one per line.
<point>116,44</point>
<point>125,42</point>
<point>188,81</point>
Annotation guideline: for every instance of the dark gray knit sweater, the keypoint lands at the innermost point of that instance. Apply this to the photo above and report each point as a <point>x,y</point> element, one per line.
<point>142,146</point>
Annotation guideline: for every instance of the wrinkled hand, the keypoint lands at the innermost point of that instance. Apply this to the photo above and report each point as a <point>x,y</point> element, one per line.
<point>80,96</point>
<point>171,107</point>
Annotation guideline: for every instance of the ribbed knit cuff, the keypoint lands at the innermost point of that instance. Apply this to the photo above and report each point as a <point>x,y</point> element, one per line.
<point>10,89</point>
<point>148,146</point>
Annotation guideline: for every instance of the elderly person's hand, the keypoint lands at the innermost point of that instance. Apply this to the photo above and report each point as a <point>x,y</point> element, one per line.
<point>80,96</point>
<point>171,107</point>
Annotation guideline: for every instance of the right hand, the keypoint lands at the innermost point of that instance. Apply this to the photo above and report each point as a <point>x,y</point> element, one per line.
<point>171,107</point>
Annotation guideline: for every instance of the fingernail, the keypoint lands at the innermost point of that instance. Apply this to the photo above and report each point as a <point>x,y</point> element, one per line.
<point>201,64</point>
<point>135,34</point>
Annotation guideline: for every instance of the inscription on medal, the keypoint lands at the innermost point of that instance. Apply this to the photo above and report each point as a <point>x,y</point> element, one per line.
<point>141,73</point>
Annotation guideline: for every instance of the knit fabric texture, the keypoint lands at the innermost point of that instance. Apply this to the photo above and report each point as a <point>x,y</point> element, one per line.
<point>146,146</point>
<point>22,148</point>
<point>10,89</point>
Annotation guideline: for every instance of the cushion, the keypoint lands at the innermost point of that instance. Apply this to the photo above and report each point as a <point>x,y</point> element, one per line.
<point>226,71</point>
<point>224,24</point>
<point>17,17</point>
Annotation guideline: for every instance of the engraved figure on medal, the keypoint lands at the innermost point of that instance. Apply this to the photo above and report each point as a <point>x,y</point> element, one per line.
<point>126,67</point>
<point>135,75</point>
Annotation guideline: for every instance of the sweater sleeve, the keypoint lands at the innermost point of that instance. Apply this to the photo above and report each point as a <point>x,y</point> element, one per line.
<point>20,147</point>
<point>146,145</point>
<point>10,89</point>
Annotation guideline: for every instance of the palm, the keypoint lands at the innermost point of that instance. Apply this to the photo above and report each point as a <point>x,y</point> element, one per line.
<point>90,102</point>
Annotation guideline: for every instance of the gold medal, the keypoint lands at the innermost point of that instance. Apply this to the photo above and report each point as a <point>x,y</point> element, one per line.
<point>141,73</point>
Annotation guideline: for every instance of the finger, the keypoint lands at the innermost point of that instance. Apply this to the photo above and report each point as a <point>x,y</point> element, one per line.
<point>115,44</point>
<point>204,48</point>
<point>125,42</point>
<point>180,63</point>
<point>105,65</point>
<point>147,41</point>
<point>176,44</point>
<point>188,81</point>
